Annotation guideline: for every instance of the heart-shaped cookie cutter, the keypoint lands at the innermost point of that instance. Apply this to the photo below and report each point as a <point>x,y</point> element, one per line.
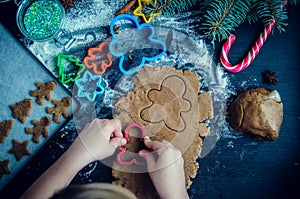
<point>123,149</point>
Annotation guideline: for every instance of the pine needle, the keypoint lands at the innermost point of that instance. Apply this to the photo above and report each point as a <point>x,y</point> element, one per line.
<point>223,16</point>
<point>168,7</point>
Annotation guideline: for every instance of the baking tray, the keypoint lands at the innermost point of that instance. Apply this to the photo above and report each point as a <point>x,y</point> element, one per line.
<point>19,71</point>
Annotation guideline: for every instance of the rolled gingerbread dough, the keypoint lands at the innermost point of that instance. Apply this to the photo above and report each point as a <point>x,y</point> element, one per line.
<point>168,103</point>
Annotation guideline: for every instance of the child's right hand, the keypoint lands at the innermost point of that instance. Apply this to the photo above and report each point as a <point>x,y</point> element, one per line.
<point>165,167</point>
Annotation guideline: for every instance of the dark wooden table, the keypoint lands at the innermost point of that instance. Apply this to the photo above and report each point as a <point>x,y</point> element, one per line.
<point>237,167</point>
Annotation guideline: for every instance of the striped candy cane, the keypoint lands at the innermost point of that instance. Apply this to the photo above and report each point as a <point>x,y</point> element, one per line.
<point>252,53</point>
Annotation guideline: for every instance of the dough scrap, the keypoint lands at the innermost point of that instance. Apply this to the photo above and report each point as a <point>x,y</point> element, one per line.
<point>129,110</point>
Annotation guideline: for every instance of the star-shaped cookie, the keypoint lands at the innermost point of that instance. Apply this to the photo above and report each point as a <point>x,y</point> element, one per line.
<point>19,149</point>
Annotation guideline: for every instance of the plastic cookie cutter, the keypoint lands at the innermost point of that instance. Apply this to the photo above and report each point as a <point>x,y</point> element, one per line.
<point>99,58</point>
<point>123,149</point>
<point>138,11</point>
<point>61,68</point>
<point>150,41</point>
<point>89,86</point>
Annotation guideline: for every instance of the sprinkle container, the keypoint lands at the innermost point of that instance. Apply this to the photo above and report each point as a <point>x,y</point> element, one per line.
<point>40,20</point>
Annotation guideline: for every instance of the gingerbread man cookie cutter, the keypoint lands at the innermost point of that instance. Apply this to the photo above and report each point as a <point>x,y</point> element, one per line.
<point>99,58</point>
<point>163,103</point>
<point>149,40</point>
<point>123,149</point>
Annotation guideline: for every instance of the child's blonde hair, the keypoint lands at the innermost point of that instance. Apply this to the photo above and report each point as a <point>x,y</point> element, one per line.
<point>94,191</point>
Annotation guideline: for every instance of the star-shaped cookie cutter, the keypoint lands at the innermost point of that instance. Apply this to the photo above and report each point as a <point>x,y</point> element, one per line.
<point>138,10</point>
<point>88,77</point>
<point>93,54</point>
<point>123,149</point>
<point>150,40</point>
<point>61,68</point>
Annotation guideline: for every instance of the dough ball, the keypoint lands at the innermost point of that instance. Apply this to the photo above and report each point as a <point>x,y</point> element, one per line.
<point>257,111</point>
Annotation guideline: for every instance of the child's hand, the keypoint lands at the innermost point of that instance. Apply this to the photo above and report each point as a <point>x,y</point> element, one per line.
<point>165,166</point>
<point>99,139</point>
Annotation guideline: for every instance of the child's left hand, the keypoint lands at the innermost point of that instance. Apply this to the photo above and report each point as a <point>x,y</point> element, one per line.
<point>99,139</point>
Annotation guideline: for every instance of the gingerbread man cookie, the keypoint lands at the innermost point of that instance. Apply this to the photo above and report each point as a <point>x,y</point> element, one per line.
<point>61,108</point>
<point>5,127</point>
<point>44,91</point>
<point>21,109</point>
<point>40,128</point>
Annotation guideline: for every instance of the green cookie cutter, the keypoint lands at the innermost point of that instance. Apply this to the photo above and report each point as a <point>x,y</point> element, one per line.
<point>61,68</point>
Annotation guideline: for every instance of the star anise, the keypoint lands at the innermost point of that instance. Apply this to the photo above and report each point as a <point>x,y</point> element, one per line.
<point>270,77</point>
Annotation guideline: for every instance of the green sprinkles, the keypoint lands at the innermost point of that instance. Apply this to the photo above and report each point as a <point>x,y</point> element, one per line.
<point>42,19</point>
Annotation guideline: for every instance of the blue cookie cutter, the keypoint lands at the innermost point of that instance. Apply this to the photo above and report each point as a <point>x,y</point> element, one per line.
<point>84,81</point>
<point>150,40</point>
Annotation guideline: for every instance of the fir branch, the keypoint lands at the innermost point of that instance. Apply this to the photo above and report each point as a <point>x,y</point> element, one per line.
<point>272,9</point>
<point>293,2</point>
<point>252,16</point>
<point>168,7</point>
<point>222,17</point>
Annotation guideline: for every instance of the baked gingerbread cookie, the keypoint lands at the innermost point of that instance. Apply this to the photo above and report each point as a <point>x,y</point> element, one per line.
<point>60,108</point>
<point>4,167</point>
<point>5,127</point>
<point>40,128</point>
<point>170,106</point>
<point>44,91</point>
<point>21,109</point>
<point>19,149</point>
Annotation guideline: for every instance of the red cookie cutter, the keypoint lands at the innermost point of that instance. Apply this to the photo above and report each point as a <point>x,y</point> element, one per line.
<point>123,149</point>
<point>99,58</point>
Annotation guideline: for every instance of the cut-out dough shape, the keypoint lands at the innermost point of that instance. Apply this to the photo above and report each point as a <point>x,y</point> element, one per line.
<point>44,91</point>
<point>21,109</point>
<point>19,149</point>
<point>168,103</point>
<point>123,149</point>
<point>5,128</point>
<point>40,128</point>
<point>60,108</point>
<point>4,167</point>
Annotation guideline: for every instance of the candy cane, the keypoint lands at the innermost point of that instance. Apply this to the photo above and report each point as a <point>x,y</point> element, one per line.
<point>252,53</point>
